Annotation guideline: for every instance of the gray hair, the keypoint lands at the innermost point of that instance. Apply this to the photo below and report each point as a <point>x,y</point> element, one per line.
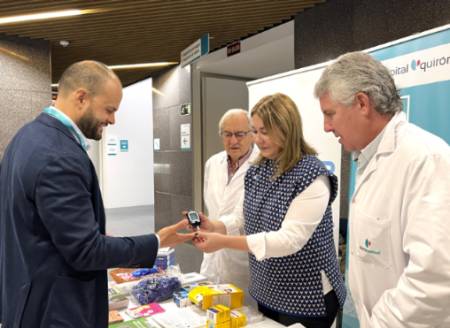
<point>358,72</point>
<point>88,74</point>
<point>234,112</point>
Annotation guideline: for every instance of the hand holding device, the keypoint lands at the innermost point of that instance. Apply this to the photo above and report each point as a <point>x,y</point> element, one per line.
<point>194,219</point>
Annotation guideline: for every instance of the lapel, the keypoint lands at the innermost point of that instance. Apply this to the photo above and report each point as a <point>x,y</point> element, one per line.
<point>387,146</point>
<point>222,179</point>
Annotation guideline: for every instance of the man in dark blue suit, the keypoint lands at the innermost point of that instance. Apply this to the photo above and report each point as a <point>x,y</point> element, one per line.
<point>54,251</point>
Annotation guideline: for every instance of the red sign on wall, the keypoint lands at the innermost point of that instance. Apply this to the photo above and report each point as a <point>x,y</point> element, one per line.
<point>233,48</point>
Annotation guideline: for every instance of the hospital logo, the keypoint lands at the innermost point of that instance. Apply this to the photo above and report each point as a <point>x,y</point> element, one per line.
<point>368,247</point>
<point>420,65</point>
<point>430,63</point>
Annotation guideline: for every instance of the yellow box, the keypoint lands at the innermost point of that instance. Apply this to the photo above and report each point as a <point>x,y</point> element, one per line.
<point>238,319</point>
<point>218,313</point>
<point>210,295</point>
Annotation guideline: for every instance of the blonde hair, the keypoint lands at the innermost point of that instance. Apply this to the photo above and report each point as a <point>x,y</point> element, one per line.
<point>282,122</point>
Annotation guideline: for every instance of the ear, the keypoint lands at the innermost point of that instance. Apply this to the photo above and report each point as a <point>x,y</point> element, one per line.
<point>81,97</point>
<point>364,103</point>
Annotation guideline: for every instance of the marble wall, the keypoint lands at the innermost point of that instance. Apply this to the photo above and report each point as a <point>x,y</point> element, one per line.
<point>25,83</point>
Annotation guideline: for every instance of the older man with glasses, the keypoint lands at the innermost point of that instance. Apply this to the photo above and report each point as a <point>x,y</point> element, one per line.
<point>223,190</point>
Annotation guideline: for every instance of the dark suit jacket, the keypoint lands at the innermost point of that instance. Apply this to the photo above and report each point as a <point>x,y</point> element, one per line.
<point>54,252</point>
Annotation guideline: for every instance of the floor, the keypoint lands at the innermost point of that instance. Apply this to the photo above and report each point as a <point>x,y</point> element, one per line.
<point>133,221</point>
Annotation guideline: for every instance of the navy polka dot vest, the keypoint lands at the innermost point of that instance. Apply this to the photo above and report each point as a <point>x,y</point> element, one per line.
<point>291,284</point>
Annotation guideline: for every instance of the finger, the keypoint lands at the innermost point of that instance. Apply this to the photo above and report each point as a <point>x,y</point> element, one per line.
<point>196,241</point>
<point>182,238</point>
<point>202,234</point>
<point>202,216</point>
<point>200,246</point>
<point>182,224</point>
<point>201,240</point>
<point>185,236</point>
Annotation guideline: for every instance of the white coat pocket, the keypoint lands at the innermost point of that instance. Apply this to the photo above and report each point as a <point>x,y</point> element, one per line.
<point>371,237</point>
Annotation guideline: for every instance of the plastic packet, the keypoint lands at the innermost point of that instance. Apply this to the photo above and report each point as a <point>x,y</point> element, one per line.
<point>155,289</point>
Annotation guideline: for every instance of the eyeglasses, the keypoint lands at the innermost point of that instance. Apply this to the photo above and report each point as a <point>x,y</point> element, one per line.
<point>238,134</point>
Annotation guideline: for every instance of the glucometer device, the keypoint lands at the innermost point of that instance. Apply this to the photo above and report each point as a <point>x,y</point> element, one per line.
<point>194,219</point>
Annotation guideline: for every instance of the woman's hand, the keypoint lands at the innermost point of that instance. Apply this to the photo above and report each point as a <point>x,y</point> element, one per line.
<point>209,242</point>
<point>206,224</point>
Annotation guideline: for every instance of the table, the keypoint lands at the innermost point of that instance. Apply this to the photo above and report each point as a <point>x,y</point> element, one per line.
<point>190,317</point>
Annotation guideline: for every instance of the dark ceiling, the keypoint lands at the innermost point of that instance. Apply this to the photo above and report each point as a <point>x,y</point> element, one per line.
<point>136,31</point>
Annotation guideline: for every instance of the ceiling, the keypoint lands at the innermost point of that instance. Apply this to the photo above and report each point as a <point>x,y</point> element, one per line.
<point>137,31</point>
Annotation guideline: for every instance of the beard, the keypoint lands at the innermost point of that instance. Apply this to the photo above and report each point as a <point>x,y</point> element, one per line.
<point>90,126</point>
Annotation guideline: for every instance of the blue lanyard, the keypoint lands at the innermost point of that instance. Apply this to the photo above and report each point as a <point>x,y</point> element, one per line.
<point>53,112</point>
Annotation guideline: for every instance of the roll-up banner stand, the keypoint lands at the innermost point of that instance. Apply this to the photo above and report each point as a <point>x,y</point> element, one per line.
<point>420,65</point>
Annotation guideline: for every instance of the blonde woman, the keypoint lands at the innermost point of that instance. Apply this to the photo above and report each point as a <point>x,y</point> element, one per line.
<point>287,219</point>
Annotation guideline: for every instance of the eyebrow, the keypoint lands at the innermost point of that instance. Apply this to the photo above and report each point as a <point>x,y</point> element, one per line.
<point>112,107</point>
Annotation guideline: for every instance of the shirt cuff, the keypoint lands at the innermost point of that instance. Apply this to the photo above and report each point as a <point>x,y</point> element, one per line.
<point>232,227</point>
<point>157,237</point>
<point>257,245</point>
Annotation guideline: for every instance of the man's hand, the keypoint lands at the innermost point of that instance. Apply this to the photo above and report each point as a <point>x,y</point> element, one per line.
<point>169,236</point>
<point>209,241</point>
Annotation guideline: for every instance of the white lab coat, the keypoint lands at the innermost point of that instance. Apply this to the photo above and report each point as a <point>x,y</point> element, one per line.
<point>399,268</point>
<point>225,266</point>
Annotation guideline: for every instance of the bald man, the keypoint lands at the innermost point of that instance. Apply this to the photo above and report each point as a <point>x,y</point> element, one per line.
<point>54,251</point>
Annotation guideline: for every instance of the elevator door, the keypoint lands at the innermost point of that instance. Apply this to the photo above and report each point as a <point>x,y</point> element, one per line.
<point>219,93</point>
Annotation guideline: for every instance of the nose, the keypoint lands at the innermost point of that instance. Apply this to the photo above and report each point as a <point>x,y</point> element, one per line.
<point>327,126</point>
<point>111,119</point>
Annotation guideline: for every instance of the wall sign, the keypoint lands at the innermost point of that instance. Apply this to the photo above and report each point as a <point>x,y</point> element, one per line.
<point>124,145</point>
<point>233,48</point>
<point>112,146</point>
<point>185,109</point>
<point>195,50</point>
<point>185,136</point>
<point>156,144</point>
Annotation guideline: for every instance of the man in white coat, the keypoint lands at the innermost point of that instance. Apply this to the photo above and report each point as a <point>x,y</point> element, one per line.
<point>223,190</point>
<point>399,258</point>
